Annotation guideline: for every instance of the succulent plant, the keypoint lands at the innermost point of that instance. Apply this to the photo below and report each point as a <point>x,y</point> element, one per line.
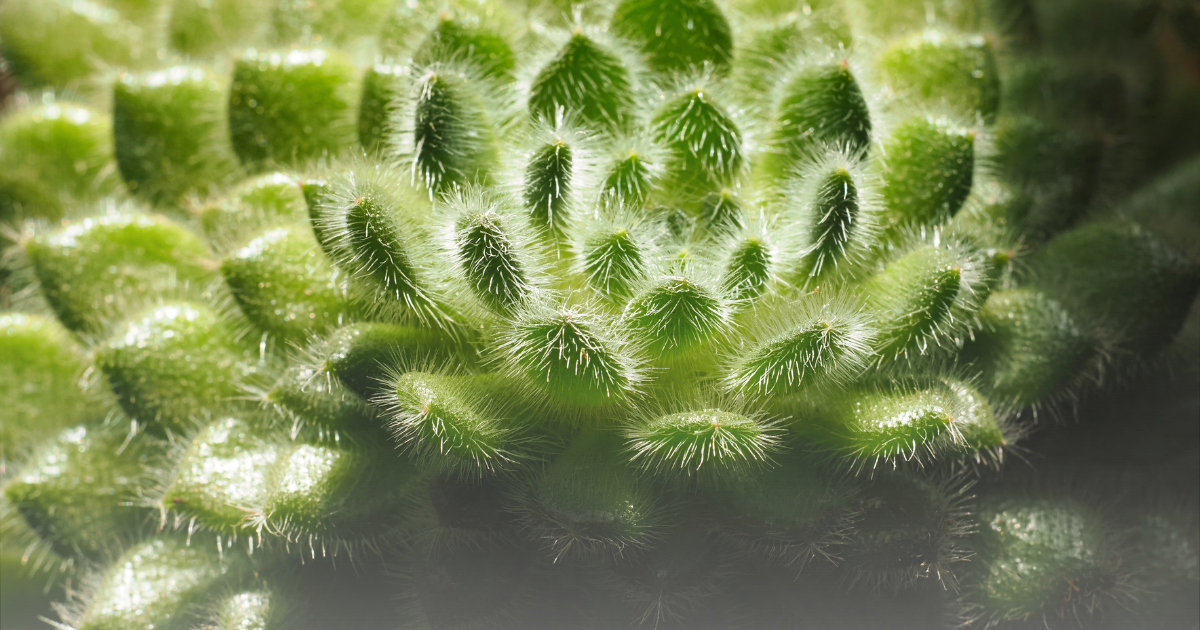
<point>477,314</point>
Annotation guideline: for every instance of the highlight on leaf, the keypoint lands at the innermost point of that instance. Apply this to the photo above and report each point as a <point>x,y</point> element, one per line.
<point>173,579</point>
<point>237,477</point>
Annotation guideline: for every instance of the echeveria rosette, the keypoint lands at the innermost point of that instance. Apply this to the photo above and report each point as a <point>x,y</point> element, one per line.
<point>523,314</point>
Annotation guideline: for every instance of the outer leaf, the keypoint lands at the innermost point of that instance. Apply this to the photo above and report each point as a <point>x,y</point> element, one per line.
<point>677,36</point>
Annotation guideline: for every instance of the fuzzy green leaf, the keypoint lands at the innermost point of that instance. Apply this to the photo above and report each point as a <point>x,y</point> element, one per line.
<point>548,180</point>
<point>343,22</point>
<point>907,528</point>
<point>488,246</point>
<point>748,270</point>
<point>614,263</point>
<point>714,446</point>
<point>1029,348</point>
<point>803,349</point>
<point>159,583</point>
<point>53,157</point>
<point>938,68</point>
<point>285,285</point>
<point>928,170</point>
<point>922,298</point>
<point>869,424</point>
<point>480,46</point>
<point>446,422</point>
<point>316,194</point>
<point>1119,277</point>
<point>75,490</point>
<point>358,354</point>
<point>676,316</point>
<point>768,46</point>
<point>175,364</point>
<point>705,143</point>
<point>307,395</point>
<point>40,368</point>
<point>171,136</point>
<point>835,223</point>
<point>382,85</point>
<point>628,180</point>
<point>587,80</point>
<point>292,106</point>
<point>822,107</point>
<point>65,42</point>
<point>791,514</point>
<point>258,204</point>
<point>374,246</point>
<point>221,481</point>
<point>677,36</point>
<point>96,272</point>
<point>571,355</point>
<point>721,214</point>
<point>200,28</point>
<point>239,476</point>
<point>451,136</point>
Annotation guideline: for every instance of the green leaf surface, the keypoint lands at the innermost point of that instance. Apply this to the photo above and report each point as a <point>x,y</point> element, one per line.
<point>96,272</point>
<point>175,364</point>
<point>292,106</point>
